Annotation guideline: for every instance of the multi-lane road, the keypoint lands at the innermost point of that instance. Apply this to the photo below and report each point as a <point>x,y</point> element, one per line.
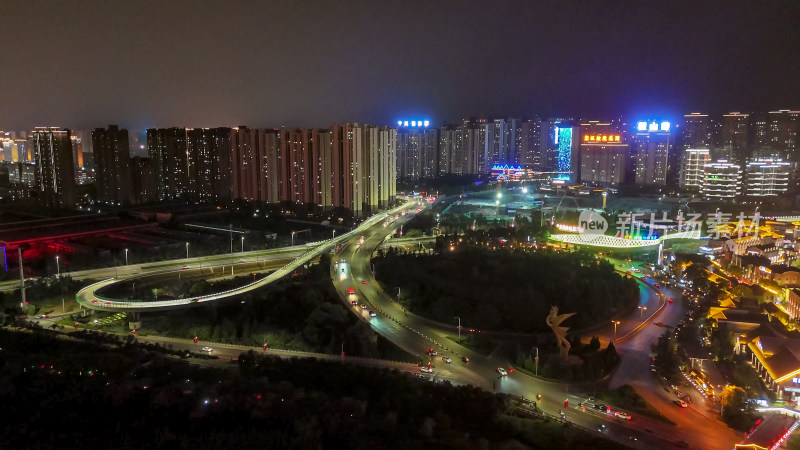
<point>352,269</point>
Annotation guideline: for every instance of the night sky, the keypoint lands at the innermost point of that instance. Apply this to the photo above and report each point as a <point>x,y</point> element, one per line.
<point>141,64</point>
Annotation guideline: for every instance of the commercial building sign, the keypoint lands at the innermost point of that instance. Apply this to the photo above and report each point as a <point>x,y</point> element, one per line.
<point>601,138</point>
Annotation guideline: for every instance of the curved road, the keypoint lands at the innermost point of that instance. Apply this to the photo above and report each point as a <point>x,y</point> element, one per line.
<point>88,297</point>
<point>351,268</point>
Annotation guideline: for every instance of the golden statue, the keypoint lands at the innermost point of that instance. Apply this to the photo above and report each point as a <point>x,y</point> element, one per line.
<point>554,321</point>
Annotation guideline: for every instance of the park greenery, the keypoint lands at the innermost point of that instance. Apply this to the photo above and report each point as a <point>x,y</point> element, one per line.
<point>594,362</point>
<point>66,393</point>
<point>302,312</point>
<point>498,288</point>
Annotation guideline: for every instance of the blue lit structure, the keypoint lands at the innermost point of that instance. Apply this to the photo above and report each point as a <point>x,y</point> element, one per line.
<point>414,123</point>
<point>563,137</point>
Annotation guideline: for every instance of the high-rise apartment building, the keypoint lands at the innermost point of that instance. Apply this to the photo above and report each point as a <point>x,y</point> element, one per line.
<point>417,152</point>
<point>143,181</point>
<point>462,148</point>
<point>603,154</point>
<point>766,178</point>
<point>698,131</point>
<point>735,136</point>
<point>722,180</point>
<point>255,164</point>
<point>112,165</point>
<point>693,170</point>
<point>530,145</point>
<point>208,156</point>
<point>54,172</point>
<point>502,144</point>
<point>167,150</point>
<point>650,143</point>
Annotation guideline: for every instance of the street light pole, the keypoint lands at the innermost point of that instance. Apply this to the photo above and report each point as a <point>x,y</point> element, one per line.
<point>242,244</point>
<point>187,250</point>
<point>641,311</point>
<point>459,324</point>
<point>126,256</point>
<point>58,267</point>
<point>537,360</point>
<point>615,322</point>
<point>292,238</point>
<point>334,234</point>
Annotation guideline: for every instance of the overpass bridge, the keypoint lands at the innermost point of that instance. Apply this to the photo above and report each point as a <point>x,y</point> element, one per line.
<point>602,240</point>
<point>88,298</point>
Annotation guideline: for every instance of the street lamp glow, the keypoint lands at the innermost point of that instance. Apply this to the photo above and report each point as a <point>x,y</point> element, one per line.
<point>524,190</point>
<point>499,195</point>
<point>187,250</point>
<point>58,266</point>
<point>615,322</point>
<point>126,256</point>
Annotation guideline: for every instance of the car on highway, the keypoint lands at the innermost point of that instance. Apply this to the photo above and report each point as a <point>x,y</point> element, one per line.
<point>604,408</point>
<point>94,301</point>
<point>242,260</point>
<point>671,299</point>
<point>363,306</point>
<point>426,369</point>
<point>354,302</point>
<point>602,428</point>
<point>185,267</point>
<point>681,403</point>
<point>363,281</point>
<point>207,349</point>
<point>447,359</point>
<point>502,371</point>
<point>42,316</point>
<point>372,314</point>
<point>464,359</point>
<point>351,291</point>
<point>622,415</point>
<point>432,352</point>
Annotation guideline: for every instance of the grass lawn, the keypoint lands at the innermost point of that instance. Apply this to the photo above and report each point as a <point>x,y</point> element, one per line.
<point>483,346</point>
<point>627,398</point>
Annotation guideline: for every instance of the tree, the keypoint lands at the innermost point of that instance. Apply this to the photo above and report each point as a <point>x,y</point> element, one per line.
<point>736,410</point>
<point>201,287</point>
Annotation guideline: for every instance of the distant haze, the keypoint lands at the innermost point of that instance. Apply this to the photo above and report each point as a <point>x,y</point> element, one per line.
<point>140,64</point>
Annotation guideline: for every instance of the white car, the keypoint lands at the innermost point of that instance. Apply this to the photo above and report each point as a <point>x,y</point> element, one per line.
<point>426,369</point>
<point>207,349</point>
<point>447,359</point>
<point>502,371</point>
<point>372,314</point>
<point>623,415</point>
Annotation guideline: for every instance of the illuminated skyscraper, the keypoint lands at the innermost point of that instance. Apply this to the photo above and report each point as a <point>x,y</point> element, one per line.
<point>722,180</point>
<point>766,178</point>
<point>530,145</point>
<point>693,170</point>
<point>650,144</point>
<point>603,154</point>
<point>54,172</point>
<point>112,164</point>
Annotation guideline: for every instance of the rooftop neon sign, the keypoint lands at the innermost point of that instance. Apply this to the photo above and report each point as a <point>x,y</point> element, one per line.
<point>414,123</point>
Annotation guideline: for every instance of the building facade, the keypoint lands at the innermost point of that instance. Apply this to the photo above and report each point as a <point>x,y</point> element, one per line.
<point>53,169</point>
<point>112,165</point>
<point>650,144</point>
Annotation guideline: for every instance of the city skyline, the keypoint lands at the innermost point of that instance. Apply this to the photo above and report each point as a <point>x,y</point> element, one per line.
<point>150,65</point>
